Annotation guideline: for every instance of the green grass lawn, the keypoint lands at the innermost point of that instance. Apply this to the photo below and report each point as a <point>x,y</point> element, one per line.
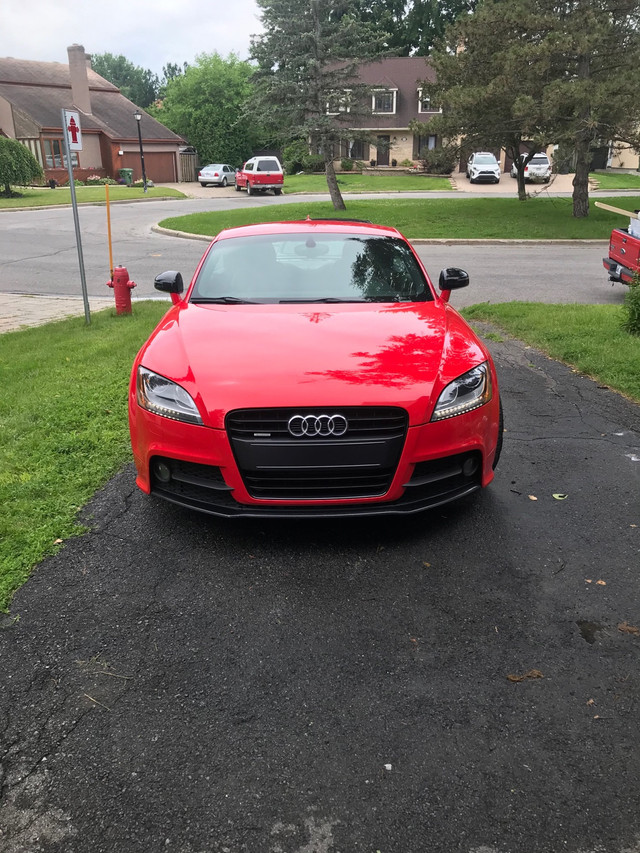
<point>63,408</point>
<point>587,337</point>
<point>477,218</point>
<point>350,182</point>
<point>43,196</point>
<point>63,427</point>
<point>619,181</point>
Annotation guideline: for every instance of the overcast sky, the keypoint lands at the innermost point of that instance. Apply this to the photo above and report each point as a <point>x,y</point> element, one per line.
<point>150,33</point>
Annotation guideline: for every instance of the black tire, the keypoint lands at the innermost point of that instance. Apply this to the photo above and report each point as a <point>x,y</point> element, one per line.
<point>496,458</point>
<point>224,182</point>
<point>237,187</point>
<point>277,192</point>
<point>203,185</point>
<point>249,189</point>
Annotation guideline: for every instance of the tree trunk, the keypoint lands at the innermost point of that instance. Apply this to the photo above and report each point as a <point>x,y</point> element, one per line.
<point>582,150</point>
<point>581,179</point>
<point>522,190</point>
<point>332,181</point>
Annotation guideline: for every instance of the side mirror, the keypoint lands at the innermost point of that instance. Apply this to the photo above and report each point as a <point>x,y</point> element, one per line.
<point>452,278</point>
<point>169,282</point>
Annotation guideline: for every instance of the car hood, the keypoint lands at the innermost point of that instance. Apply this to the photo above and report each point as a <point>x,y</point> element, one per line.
<point>255,356</point>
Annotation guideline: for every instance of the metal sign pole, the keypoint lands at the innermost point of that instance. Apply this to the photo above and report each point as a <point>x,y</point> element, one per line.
<point>74,205</point>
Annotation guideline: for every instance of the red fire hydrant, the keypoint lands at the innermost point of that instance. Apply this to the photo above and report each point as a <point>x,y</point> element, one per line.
<point>122,287</point>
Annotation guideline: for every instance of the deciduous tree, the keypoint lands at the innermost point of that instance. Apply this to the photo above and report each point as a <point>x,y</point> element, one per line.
<point>205,104</point>
<point>138,84</point>
<point>18,166</point>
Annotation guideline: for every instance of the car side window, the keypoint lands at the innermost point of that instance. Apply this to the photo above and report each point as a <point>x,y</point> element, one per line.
<point>249,167</point>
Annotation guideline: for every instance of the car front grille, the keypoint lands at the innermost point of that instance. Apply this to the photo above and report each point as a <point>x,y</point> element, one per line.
<point>278,465</point>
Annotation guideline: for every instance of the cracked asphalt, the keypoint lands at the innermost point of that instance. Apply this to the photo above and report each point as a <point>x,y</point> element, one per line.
<point>173,682</point>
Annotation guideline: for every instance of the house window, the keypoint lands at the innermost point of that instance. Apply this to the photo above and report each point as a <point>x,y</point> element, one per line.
<point>384,101</point>
<point>34,146</point>
<point>339,102</point>
<point>424,103</point>
<point>354,149</point>
<point>422,144</point>
<point>54,157</point>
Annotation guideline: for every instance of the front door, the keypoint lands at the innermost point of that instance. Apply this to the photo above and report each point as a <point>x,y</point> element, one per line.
<point>383,150</point>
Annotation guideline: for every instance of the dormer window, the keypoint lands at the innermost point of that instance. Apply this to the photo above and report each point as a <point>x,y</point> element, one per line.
<point>424,103</point>
<point>339,102</point>
<point>384,101</point>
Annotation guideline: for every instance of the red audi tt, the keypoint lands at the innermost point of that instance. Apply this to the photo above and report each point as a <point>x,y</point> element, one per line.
<point>312,369</point>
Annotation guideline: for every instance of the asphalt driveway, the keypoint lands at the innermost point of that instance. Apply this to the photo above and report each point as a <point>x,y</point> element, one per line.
<point>466,680</point>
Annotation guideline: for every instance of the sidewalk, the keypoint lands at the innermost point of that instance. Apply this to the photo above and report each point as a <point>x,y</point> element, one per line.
<point>20,311</point>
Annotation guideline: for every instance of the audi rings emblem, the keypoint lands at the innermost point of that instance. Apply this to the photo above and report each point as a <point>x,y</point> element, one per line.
<point>322,425</point>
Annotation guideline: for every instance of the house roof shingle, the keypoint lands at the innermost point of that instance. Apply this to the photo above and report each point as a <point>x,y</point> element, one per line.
<point>42,89</point>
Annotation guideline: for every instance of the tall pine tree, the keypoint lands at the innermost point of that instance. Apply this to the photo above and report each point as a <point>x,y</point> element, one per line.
<point>306,83</point>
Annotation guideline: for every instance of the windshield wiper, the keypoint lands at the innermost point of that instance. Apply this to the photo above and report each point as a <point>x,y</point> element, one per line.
<point>222,300</point>
<point>321,299</point>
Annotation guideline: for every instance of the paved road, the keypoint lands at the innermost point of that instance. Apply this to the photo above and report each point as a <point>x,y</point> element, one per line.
<point>175,683</point>
<point>38,255</point>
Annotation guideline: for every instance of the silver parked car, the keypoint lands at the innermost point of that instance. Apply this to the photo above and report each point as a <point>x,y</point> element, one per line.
<point>537,169</point>
<point>218,174</point>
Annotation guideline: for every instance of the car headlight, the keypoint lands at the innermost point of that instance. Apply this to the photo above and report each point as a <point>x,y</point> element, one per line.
<point>467,392</point>
<point>166,398</point>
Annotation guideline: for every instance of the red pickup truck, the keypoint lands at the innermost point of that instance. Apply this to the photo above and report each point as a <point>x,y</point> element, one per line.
<point>260,174</point>
<point>623,262</point>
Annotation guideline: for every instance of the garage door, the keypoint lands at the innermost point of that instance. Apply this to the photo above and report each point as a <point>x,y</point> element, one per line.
<point>159,166</point>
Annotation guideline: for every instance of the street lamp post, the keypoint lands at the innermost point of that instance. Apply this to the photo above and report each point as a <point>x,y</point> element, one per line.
<point>138,117</point>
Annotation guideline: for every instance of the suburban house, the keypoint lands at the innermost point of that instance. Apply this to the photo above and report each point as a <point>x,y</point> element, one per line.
<point>32,95</point>
<point>396,100</point>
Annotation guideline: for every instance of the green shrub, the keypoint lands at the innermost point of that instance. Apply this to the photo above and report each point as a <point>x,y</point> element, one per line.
<point>439,161</point>
<point>293,156</point>
<point>346,164</point>
<point>631,307</point>
<point>408,163</point>
<point>313,163</point>
<point>110,181</point>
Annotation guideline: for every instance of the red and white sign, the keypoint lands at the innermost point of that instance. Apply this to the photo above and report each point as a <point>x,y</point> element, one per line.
<point>72,121</point>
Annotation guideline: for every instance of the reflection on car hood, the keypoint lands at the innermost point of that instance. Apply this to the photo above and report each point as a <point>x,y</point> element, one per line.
<point>240,356</point>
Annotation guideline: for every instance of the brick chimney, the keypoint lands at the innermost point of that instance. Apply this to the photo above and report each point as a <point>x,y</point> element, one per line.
<point>79,79</point>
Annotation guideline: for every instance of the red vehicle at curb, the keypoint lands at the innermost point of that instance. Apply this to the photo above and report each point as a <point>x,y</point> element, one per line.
<point>623,262</point>
<point>260,174</point>
<point>312,369</point>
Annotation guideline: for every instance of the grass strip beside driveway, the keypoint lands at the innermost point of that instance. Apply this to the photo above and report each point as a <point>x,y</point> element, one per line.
<point>586,337</point>
<point>63,419</point>
<point>450,218</point>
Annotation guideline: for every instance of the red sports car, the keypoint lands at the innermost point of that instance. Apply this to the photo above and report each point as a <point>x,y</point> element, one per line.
<point>311,369</point>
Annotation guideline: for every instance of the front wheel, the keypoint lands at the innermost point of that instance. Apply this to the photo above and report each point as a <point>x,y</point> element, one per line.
<point>238,187</point>
<point>249,189</point>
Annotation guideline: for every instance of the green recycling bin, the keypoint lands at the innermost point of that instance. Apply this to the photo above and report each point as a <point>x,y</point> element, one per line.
<point>127,174</point>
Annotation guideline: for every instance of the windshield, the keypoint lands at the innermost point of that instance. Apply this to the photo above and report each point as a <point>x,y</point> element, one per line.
<point>485,160</point>
<point>311,268</point>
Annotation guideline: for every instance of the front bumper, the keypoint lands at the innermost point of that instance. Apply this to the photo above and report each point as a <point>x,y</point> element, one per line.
<point>197,467</point>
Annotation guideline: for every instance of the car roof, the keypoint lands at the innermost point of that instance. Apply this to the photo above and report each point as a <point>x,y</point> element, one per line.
<point>214,165</point>
<point>317,226</point>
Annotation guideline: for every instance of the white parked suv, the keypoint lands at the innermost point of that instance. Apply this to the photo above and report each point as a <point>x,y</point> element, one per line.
<point>538,168</point>
<point>483,166</point>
